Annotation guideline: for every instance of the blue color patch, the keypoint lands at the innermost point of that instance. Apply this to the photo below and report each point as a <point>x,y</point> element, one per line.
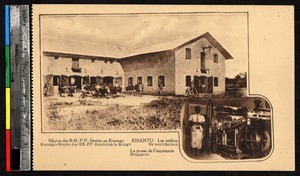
<point>7,25</point>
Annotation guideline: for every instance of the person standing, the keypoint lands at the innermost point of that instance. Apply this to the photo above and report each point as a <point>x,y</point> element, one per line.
<point>193,89</point>
<point>117,84</point>
<point>140,88</point>
<point>83,91</point>
<point>196,130</point>
<point>160,88</point>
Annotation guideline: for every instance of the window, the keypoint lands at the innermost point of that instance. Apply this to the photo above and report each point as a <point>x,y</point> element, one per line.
<point>75,65</point>
<point>216,81</point>
<point>188,80</point>
<point>188,53</point>
<point>130,81</point>
<point>55,57</point>
<point>202,62</point>
<point>139,80</point>
<point>93,60</point>
<point>149,81</point>
<point>216,58</point>
<point>161,81</point>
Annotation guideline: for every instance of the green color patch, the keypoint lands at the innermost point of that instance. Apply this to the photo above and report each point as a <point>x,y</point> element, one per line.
<point>7,67</point>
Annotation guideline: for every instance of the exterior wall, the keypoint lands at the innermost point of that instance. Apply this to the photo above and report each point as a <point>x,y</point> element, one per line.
<point>155,65</point>
<point>173,65</point>
<point>184,67</point>
<point>63,65</point>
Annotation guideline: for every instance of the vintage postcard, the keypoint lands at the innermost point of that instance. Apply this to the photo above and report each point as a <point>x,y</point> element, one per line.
<point>133,87</point>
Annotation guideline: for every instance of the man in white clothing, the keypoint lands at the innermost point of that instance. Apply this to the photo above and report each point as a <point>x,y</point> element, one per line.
<point>196,130</point>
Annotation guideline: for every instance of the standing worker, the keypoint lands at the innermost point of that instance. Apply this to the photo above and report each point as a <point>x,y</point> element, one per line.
<point>196,130</point>
<point>83,91</point>
<point>160,88</point>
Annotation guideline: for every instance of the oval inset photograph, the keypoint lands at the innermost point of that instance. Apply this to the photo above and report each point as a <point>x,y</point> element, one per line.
<point>227,128</point>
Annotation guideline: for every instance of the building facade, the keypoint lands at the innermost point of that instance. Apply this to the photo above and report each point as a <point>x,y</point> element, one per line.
<point>175,65</point>
<point>77,71</point>
<point>203,64</point>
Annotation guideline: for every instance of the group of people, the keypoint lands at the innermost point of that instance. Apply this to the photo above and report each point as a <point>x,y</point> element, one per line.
<point>137,89</point>
<point>69,90</point>
<point>193,90</point>
<point>102,90</point>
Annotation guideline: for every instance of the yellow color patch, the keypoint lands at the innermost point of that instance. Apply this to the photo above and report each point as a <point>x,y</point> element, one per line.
<point>7,100</point>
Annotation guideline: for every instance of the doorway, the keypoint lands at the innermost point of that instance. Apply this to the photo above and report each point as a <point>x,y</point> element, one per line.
<point>108,80</point>
<point>204,84</point>
<point>75,81</point>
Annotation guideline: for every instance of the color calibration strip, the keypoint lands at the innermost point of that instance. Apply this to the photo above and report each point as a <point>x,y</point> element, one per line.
<point>18,86</point>
<point>7,87</point>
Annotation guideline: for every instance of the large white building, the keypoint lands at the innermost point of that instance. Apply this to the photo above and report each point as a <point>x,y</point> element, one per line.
<point>175,64</point>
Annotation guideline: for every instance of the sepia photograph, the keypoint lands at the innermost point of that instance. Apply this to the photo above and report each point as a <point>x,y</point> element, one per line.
<point>162,87</point>
<point>227,128</point>
<point>134,71</point>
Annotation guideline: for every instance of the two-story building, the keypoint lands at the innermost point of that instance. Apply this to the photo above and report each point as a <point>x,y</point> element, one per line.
<point>178,64</point>
<point>175,65</point>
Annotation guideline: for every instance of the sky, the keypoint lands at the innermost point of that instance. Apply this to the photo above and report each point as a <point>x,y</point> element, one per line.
<point>140,30</point>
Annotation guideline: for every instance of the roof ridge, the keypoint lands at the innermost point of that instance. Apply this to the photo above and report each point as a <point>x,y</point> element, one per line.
<point>105,43</point>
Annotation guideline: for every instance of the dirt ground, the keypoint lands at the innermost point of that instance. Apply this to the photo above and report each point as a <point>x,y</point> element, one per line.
<point>124,112</point>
